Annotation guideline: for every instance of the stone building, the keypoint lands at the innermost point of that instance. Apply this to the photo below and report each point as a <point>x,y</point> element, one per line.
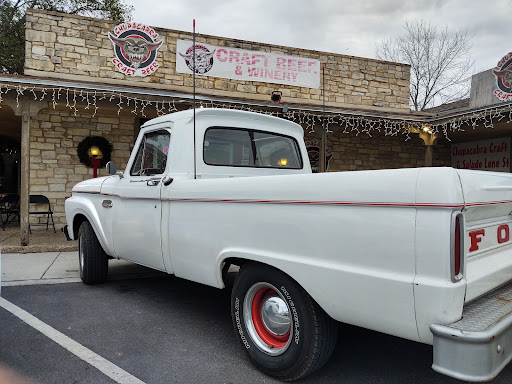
<point>86,77</point>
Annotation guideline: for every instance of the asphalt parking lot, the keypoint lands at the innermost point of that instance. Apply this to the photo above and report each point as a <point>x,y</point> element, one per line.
<point>167,330</point>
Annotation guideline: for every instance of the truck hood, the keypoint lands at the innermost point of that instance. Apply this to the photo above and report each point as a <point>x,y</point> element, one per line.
<point>90,185</point>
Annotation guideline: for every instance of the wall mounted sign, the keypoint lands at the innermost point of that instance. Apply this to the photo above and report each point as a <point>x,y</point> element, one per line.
<point>313,148</point>
<point>135,49</point>
<point>487,155</point>
<point>503,73</point>
<point>240,64</point>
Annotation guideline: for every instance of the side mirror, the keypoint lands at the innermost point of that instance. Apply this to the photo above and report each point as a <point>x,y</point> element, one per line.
<point>112,169</point>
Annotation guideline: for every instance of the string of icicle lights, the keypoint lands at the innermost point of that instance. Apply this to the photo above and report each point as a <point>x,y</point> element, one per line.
<point>88,100</point>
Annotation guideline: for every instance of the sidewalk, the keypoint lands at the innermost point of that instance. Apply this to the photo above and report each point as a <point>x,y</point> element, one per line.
<point>41,240</point>
<point>60,267</point>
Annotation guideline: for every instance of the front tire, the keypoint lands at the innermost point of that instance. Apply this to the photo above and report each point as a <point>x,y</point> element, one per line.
<point>283,330</point>
<point>93,260</point>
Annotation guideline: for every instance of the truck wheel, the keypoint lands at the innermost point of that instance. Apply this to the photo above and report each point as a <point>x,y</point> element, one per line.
<point>92,258</point>
<point>284,331</point>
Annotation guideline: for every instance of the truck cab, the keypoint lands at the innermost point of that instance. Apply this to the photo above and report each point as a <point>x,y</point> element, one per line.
<point>221,143</point>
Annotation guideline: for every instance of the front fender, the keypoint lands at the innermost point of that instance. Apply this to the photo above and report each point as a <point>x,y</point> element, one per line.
<point>87,206</point>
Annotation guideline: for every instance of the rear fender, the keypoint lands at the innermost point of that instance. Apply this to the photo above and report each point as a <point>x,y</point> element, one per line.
<point>285,263</point>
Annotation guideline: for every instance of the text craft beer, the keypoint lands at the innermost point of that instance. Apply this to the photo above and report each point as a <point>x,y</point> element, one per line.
<point>248,65</point>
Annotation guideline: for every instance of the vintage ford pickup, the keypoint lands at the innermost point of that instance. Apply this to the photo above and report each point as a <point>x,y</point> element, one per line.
<point>423,254</point>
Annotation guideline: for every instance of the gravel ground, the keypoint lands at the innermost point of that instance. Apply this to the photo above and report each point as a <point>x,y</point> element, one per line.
<point>41,240</point>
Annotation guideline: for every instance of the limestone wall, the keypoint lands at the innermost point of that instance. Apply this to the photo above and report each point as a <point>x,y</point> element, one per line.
<point>78,48</point>
<point>54,164</point>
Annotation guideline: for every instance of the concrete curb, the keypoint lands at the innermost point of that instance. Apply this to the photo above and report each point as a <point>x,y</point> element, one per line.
<point>41,248</point>
<point>61,267</point>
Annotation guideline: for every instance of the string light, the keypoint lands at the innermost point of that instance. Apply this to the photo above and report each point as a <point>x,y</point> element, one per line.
<point>94,104</point>
<point>134,111</point>
<point>35,95</point>
<point>19,92</point>
<point>308,120</point>
<point>119,104</point>
<point>54,102</point>
<point>74,103</point>
<point>88,102</point>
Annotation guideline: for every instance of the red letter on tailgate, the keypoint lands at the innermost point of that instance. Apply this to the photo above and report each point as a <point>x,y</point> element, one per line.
<point>475,239</point>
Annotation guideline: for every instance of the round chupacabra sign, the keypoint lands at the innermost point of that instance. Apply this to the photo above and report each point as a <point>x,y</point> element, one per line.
<point>203,58</point>
<point>503,73</point>
<point>313,148</point>
<point>135,47</point>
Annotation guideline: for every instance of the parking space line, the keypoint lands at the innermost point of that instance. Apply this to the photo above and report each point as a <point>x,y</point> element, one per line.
<point>106,367</point>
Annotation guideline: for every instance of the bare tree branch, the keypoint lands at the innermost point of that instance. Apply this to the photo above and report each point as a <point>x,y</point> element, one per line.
<point>440,62</point>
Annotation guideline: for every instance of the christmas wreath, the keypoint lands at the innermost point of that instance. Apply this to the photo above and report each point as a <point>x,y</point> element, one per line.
<point>84,150</point>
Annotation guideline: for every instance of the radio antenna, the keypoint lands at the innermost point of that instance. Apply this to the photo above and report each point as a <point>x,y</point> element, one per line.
<point>194,89</point>
<point>323,163</point>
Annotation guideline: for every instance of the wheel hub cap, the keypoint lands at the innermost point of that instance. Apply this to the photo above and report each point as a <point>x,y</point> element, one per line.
<point>267,318</point>
<point>275,315</point>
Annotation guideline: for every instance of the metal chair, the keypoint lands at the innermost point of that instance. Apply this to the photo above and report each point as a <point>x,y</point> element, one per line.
<point>41,199</point>
<point>9,206</point>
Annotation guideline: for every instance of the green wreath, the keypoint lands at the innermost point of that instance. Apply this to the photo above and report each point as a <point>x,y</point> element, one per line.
<point>83,150</point>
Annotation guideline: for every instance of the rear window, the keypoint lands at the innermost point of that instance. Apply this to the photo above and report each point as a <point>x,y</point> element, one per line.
<point>237,147</point>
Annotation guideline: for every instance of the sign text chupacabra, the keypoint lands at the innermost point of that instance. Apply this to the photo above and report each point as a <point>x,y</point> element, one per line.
<point>135,49</point>
<point>503,73</point>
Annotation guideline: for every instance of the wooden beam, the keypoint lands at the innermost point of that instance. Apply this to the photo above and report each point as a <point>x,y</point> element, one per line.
<point>25,170</point>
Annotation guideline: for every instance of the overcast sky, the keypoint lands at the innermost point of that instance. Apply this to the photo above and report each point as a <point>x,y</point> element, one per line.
<point>351,27</point>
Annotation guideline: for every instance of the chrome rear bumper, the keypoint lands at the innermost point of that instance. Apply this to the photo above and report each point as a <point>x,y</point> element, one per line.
<point>479,346</point>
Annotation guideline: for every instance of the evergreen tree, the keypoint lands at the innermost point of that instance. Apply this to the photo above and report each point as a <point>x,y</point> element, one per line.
<point>12,23</point>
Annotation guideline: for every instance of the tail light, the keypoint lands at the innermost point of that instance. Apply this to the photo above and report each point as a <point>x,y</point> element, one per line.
<point>457,256</point>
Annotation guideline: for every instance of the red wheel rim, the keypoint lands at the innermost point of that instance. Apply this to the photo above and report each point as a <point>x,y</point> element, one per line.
<point>269,338</point>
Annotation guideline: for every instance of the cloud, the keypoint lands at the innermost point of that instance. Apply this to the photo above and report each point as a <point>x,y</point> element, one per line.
<point>339,26</point>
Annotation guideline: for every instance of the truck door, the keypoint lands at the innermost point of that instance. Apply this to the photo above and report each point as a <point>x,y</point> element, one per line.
<point>136,228</point>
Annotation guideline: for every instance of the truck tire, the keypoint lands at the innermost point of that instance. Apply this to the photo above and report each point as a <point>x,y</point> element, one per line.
<point>93,260</point>
<point>283,330</point>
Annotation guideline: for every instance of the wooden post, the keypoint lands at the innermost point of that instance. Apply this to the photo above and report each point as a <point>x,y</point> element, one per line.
<point>25,170</point>
<point>428,140</point>
<point>323,145</point>
<point>428,156</point>
<point>321,165</point>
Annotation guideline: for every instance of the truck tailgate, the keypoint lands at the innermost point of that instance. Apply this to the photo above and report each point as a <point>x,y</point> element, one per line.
<point>488,222</point>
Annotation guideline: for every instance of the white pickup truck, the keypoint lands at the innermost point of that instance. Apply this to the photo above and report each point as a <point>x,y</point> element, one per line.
<point>424,254</point>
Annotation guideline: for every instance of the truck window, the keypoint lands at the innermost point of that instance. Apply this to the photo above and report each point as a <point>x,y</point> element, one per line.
<point>151,157</point>
<point>239,147</point>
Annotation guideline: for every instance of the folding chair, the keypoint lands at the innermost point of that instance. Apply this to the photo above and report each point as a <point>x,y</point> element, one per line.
<point>41,199</point>
<point>9,206</point>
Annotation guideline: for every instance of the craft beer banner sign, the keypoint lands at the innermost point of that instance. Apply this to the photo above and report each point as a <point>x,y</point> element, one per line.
<point>488,155</point>
<point>240,64</point>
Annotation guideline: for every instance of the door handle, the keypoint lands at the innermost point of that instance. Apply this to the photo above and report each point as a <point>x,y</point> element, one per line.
<point>153,182</point>
<point>167,180</point>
